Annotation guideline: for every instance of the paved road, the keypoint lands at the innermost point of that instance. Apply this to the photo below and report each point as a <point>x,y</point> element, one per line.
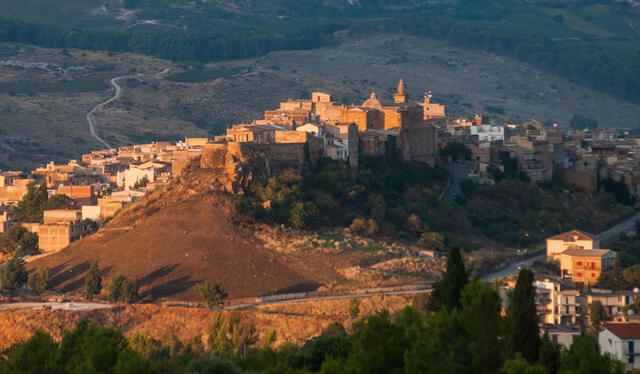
<point>116,95</point>
<point>607,236</point>
<point>321,298</point>
<point>514,267</point>
<point>459,172</point>
<point>70,306</point>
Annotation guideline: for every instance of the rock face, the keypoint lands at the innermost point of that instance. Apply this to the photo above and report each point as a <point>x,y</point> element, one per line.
<point>235,166</point>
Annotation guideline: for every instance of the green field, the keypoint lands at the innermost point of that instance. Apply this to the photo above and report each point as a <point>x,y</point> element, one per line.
<point>205,74</point>
<point>80,85</point>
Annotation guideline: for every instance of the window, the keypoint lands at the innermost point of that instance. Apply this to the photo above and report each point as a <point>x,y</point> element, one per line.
<point>579,263</point>
<point>593,265</point>
<point>593,275</point>
<point>632,352</point>
<point>578,274</point>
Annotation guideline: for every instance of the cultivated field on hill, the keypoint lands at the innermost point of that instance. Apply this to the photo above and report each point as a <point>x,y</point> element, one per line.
<point>40,126</point>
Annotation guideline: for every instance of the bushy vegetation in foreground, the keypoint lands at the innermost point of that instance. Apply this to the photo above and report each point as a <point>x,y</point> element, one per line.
<point>459,329</point>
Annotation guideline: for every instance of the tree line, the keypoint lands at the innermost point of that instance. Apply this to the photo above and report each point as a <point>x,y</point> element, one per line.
<point>174,46</point>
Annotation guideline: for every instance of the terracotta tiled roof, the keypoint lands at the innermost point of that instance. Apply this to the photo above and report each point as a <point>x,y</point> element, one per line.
<point>570,236</point>
<point>624,330</point>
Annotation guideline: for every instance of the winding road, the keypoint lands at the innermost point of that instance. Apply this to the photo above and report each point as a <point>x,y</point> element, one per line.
<point>116,95</point>
<point>459,171</point>
<point>605,237</point>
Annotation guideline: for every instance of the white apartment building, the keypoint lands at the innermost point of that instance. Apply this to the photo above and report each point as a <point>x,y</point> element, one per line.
<point>487,133</point>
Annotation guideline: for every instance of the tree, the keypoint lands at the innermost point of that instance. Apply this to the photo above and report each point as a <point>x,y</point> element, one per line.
<point>229,335</point>
<point>442,346</point>
<point>30,208</point>
<point>480,316</point>
<point>632,275</point>
<point>39,280</point>
<point>378,208</point>
<point>58,202</point>
<point>92,282</point>
<point>364,226</point>
<point>304,214</point>
<point>354,308</point>
<point>130,362</point>
<point>35,356</point>
<point>432,240</point>
<point>619,190</point>
<point>584,358</point>
<point>90,349</point>
<point>447,291</point>
<point>613,278</point>
<point>19,241</point>
<point>457,151</point>
<point>122,289</point>
<point>269,338</point>
<point>518,365</point>
<point>332,343</point>
<point>36,201</point>
<point>141,183</point>
<point>13,274</point>
<point>378,347</point>
<point>415,224</point>
<point>523,335</point>
<point>581,122</point>
<point>597,314</point>
<point>549,355</point>
<point>213,294</point>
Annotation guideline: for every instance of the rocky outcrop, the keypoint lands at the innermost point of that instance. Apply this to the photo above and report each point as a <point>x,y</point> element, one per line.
<point>234,166</point>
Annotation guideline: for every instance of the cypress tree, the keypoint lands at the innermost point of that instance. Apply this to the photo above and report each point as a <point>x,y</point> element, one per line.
<point>448,290</point>
<point>92,281</point>
<point>522,332</point>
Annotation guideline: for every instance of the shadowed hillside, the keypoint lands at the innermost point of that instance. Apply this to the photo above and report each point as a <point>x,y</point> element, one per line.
<point>174,240</point>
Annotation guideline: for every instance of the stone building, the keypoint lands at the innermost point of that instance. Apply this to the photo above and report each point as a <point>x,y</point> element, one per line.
<point>60,228</point>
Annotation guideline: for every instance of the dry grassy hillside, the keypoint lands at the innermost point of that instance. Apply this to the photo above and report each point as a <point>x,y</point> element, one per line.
<point>174,240</point>
<point>183,234</point>
<point>295,323</point>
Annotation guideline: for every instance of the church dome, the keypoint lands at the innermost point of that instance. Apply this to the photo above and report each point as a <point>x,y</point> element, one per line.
<point>373,102</point>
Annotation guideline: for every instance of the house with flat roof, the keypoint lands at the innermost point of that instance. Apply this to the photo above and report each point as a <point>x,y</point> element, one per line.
<point>584,266</point>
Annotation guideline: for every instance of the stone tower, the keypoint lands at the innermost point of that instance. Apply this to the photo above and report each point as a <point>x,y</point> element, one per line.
<point>400,97</point>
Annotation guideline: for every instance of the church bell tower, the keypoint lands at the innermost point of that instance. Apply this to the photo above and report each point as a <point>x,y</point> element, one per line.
<point>400,97</point>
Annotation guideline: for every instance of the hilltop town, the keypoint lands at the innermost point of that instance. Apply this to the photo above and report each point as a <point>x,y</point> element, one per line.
<point>55,209</point>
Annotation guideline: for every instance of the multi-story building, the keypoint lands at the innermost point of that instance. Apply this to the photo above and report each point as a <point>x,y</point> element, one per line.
<point>584,266</point>
<point>622,341</point>
<point>613,302</point>
<point>487,133</point>
<point>60,228</point>
<point>558,307</point>
<point>570,239</point>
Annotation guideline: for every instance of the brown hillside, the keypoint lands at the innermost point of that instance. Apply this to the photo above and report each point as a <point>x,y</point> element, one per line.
<point>172,241</point>
<point>293,323</point>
